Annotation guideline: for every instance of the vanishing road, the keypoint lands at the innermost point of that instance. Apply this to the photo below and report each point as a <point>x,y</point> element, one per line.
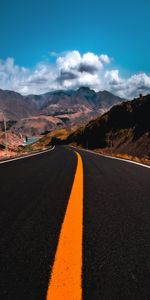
<point>74,225</point>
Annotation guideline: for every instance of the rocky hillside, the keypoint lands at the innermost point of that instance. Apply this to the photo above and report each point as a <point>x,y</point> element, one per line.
<point>36,125</point>
<point>125,129</point>
<point>13,140</point>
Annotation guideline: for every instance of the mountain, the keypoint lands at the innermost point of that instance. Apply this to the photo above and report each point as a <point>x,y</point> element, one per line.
<point>124,129</point>
<point>68,107</point>
<point>16,106</point>
<point>84,100</point>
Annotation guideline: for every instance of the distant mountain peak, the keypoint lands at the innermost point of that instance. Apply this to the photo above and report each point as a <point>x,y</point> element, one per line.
<point>84,88</point>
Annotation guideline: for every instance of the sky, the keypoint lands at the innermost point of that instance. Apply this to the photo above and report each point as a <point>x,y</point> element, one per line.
<point>49,44</point>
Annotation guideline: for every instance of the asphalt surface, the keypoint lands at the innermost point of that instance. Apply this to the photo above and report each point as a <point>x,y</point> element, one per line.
<point>34,193</point>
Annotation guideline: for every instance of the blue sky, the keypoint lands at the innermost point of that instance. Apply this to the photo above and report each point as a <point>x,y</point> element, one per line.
<point>30,30</point>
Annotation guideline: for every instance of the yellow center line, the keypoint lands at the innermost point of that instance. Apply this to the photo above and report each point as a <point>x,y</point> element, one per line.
<point>66,277</point>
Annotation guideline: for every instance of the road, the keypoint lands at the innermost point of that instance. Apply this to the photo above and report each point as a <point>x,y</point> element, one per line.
<point>66,216</point>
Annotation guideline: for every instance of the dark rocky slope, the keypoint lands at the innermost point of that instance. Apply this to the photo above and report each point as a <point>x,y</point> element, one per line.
<point>124,129</point>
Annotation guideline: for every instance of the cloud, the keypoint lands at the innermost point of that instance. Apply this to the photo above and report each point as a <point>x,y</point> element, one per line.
<point>68,62</point>
<point>76,69</point>
<point>74,61</point>
<point>71,70</point>
<point>90,63</point>
<point>112,77</point>
<point>11,74</point>
<point>64,75</point>
<point>105,59</point>
<point>127,88</point>
<point>53,54</point>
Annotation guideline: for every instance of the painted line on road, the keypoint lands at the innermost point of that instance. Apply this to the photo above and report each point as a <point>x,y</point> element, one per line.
<point>26,156</point>
<point>112,157</point>
<point>66,277</point>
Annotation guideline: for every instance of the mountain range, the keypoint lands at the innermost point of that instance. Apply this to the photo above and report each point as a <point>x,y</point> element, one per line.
<point>36,114</point>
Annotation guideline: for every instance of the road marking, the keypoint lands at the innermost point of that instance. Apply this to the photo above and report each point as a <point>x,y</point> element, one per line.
<point>66,277</point>
<point>26,156</point>
<point>112,157</point>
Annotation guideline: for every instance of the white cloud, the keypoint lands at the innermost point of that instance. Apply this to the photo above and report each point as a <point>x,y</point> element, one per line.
<point>127,88</point>
<point>105,59</point>
<point>77,70</point>
<point>112,77</point>
<point>11,75</point>
<point>92,60</point>
<point>69,62</point>
<point>74,61</point>
<point>70,71</point>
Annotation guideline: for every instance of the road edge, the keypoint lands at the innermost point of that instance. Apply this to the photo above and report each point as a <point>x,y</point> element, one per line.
<point>111,157</point>
<point>26,156</point>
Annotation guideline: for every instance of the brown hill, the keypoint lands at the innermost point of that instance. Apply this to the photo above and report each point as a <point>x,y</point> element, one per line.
<point>125,129</point>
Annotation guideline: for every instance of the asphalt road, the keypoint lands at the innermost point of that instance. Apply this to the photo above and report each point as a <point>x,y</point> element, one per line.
<point>34,194</point>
